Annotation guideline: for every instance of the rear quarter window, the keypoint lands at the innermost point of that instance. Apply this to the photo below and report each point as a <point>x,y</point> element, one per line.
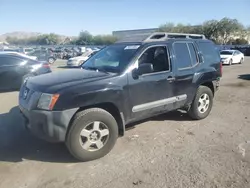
<point>210,52</point>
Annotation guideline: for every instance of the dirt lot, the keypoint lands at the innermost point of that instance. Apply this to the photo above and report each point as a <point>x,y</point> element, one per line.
<point>166,151</point>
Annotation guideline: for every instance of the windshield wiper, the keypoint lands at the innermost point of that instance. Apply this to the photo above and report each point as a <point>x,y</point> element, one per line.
<point>96,69</point>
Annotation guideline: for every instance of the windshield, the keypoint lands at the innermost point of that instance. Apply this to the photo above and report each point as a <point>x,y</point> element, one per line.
<point>114,58</point>
<point>226,52</point>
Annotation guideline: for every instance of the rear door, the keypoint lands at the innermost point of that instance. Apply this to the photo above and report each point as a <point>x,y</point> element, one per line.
<point>185,59</point>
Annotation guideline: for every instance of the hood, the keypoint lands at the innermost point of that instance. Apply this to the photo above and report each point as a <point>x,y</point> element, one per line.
<point>52,82</point>
<point>78,58</point>
<point>225,56</point>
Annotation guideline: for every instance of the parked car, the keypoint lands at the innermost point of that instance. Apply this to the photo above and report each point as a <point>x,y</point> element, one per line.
<point>229,57</point>
<point>14,69</point>
<point>44,55</point>
<point>26,50</point>
<point>89,108</point>
<point>79,60</point>
<point>19,54</point>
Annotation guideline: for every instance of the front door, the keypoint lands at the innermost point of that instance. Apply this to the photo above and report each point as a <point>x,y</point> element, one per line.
<point>152,93</point>
<point>236,57</point>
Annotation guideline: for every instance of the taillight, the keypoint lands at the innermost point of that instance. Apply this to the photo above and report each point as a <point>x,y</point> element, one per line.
<point>46,65</point>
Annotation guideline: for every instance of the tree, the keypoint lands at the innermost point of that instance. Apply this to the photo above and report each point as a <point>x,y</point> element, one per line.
<point>240,41</point>
<point>228,27</point>
<point>211,29</point>
<point>104,39</point>
<point>84,38</point>
<point>168,27</point>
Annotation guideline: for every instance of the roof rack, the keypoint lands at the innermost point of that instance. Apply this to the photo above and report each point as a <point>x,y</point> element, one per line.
<point>162,36</point>
<point>158,36</point>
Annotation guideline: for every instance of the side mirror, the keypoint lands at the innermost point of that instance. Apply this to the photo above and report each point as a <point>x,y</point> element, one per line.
<point>145,69</point>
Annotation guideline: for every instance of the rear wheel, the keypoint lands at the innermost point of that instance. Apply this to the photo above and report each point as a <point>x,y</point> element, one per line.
<point>202,103</point>
<point>92,134</point>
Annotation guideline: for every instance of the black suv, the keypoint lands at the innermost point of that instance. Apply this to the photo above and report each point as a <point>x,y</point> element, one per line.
<point>88,108</point>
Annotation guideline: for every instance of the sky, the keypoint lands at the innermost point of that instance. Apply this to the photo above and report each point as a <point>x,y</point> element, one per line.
<point>69,17</point>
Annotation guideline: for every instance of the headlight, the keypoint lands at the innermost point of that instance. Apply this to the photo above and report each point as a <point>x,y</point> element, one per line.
<point>47,101</point>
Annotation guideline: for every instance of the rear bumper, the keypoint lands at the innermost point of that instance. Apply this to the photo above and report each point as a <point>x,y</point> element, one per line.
<point>48,125</point>
<point>216,84</point>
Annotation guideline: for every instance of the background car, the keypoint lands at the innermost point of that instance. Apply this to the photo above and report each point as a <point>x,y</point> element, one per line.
<point>229,57</point>
<point>15,69</point>
<point>44,55</point>
<point>77,61</point>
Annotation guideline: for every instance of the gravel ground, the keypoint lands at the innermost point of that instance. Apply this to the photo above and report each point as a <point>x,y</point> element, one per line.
<point>166,151</point>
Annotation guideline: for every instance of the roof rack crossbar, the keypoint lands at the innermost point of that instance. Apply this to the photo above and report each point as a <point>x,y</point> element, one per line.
<point>162,36</point>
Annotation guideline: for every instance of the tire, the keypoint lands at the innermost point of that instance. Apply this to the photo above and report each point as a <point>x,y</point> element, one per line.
<point>230,62</point>
<point>81,122</point>
<point>51,60</point>
<point>194,111</point>
<point>241,61</point>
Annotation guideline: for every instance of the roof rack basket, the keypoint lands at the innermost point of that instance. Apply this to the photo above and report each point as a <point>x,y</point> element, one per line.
<point>162,36</point>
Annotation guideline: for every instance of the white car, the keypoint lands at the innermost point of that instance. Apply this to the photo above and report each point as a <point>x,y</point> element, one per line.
<point>229,57</point>
<point>77,61</point>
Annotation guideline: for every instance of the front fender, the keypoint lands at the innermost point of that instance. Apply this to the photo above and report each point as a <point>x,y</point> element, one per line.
<point>89,97</point>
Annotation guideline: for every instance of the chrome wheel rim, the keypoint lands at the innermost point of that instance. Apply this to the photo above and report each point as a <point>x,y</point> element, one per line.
<point>94,136</point>
<point>51,60</point>
<point>203,103</point>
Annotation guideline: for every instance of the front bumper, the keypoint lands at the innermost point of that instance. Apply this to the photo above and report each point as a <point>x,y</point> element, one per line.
<point>225,62</point>
<point>72,63</point>
<point>48,125</point>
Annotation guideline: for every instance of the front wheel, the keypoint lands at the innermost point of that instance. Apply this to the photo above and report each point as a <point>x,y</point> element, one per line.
<point>51,60</point>
<point>230,62</point>
<point>241,60</point>
<point>202,103</point>
<point>92,134</point>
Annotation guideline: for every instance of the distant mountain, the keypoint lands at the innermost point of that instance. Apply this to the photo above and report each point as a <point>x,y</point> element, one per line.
<point>25,35</point>
<point>19,35</point>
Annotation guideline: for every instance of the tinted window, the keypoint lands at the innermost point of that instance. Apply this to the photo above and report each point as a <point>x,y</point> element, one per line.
<point>182,55</point>
<point>193,53</point>
<point>209,52</point>
<point>158,57</point>
<point>226,52</point>
<point>9,61</point>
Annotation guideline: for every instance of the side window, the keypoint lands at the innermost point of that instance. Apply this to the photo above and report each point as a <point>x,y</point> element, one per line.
<point>209,52</point>
<point>8,61</point>
<point>193,54</point>
<point>182,56</point>
<point>158,57</point>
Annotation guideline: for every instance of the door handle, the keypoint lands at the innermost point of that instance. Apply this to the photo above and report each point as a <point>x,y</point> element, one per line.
<point>170,78</point>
